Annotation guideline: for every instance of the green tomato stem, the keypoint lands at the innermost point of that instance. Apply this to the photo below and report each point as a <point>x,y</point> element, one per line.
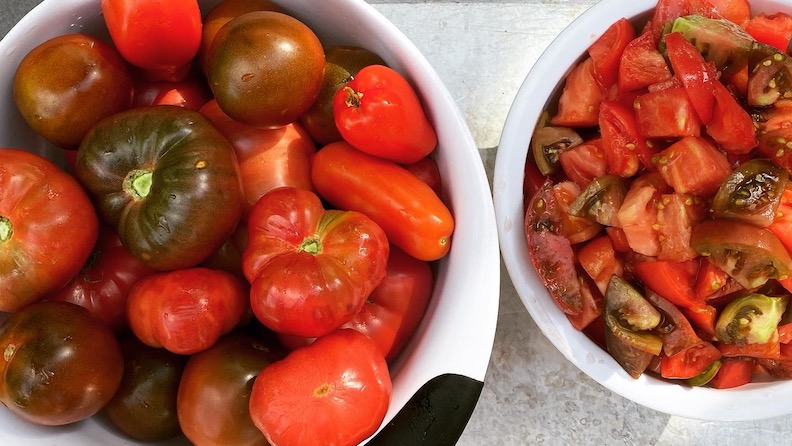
<point>6,229</point>
<point>138,183</point>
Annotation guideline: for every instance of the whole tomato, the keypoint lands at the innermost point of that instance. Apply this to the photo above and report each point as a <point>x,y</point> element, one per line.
<point>406,208</point>
<point>311,269</point>
<point>48,228</point>
<point>427,171</point>
<point>265,68</point>
<point>166,180</point>
<point>379,113</point>
<point>187,310</point>
<point>144,406</point>
<point>67,84</point>
<point>161,37</point>
<point>214,394</point>
<point>191,93</point>
<point>60,363</point>
<point>104,283</point>
<point>334,391</point>
<point>268,158</point>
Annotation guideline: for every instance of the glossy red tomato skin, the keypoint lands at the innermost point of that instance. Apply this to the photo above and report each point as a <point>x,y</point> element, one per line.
<point>103,284</point>
<point>162,38</point>
<point>48,228</point>
<point>214,393</point>
<point>187,310</point>
<point>341,376</point>
<point>191,93</point>
<point>61,364</point>
<point>378,112</point>
<point>411,214</point>
<point>310,270</point>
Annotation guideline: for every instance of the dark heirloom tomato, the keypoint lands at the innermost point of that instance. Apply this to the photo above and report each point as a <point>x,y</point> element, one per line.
<point>144,406</point>
<point>47,228</point>
<point>334,391</point>
<point>311,269</point>
<point>213,403</point>
<point>166,180</point>
<point>67,84</point>
<point>265,68</point>
<point>60,364</point>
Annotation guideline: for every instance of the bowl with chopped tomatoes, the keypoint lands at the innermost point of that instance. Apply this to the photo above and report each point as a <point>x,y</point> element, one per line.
<point>644,212</point>
<point>210,235</point>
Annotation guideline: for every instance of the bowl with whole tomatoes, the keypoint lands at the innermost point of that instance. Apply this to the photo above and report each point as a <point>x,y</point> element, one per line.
<point>212,232</point>
<point>642,195</point>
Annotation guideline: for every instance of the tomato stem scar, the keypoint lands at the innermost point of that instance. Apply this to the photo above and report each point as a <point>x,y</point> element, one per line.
<point>6,228</point>
<point>322,390</point>
<point>353,97</point>
<point>311,245</point>
<point>138,183</point>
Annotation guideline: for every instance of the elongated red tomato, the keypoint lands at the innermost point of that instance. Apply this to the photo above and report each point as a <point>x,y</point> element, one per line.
<point>408,210</point>
<point>379,113</point>
<point>161,37</point>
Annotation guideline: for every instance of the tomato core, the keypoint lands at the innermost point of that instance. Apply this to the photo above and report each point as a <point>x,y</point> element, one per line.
<point>6,228</point>
<point>138,183</point>
<point>311,245</point>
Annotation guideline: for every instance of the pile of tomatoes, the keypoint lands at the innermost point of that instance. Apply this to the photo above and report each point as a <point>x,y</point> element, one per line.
<point>243,239</point>
<point>658,211</point>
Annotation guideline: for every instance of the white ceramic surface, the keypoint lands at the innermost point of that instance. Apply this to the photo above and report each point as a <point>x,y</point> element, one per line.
<point>457,333</point>
<point>751,402</point>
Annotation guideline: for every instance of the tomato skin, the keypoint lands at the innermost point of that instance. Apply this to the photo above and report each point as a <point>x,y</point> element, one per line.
<point>104,283</point>
<point>607,50</point>
<point>187,310</point>
<point>341,376</point>
<point>160,37</point>
<point>151,171</point>
<point>379,113</point>
<point>411,214</point>
<point>61,364</point>
<point>427,171</point>
<point>737,11</point>
<point>311,270</point>
<point>43,242</point>
<point>268,158</point>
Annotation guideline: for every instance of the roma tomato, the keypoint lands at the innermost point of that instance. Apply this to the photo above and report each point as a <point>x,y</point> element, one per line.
<point>268,158</point>
<point>104,283</point>
<point>408,210</point>
<point>60,363</point>
<point>67,84</point>
<point>379,113</point>
<point>186,311</point>
<point>48,228</point>
<point>191,93</point>
<point>213,402</point>
<point>160,37</point>
<point>311,269</point>
<point>166,180</point>
<point>334,391</point>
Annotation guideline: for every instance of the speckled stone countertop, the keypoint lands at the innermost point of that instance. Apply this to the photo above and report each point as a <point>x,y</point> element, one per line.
<point>532,396</point>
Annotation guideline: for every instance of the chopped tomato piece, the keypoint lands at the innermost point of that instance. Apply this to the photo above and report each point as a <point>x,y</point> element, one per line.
<point>731,126</point>
<point>638,218</point>
<point>738,80</point>
<point>584,162</point>
<point>533,180</point>
<point>785,332</point>
<point>703,318</point>
<point>710,279</point>
<point>618,239</point>
<point>607,50</point>
<point>767,350</point>
<point>599,260</point>
<point>737,11</point>
<point>772,29</point>
<point>668,10</point>
<point>642,64</point>
<point>622,142</point>
<point>675,330</point>
<point>733,372</point>
<point>693,165</point>
<point>675,217</point>
<point>581,98</point>
<point>690,362</point>
<point>575,229</point>
<point>666,114</point>
<point>782,221</point>
<point>671,280</point>
<point>591,304</point>
<point>694,72</point>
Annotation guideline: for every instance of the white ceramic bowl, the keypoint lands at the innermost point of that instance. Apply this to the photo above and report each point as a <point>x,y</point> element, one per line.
<point>445,362</point>
<point>543,82</point>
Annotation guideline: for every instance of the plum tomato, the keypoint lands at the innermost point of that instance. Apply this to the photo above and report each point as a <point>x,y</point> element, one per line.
<point>48,228</point>
<point>144,406</point>
<point>334,391</point>
<point>60,364</point>
<point>311,269</point>
<point>166,180</point>
<point>213,402</point>
<point>187,310</point>
<point>265,68</point>
<point>67,84</point>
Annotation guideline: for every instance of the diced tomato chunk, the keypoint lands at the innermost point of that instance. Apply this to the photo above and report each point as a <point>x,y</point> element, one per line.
<point>666,114</point>
<point>690,362</point>
<point>731,126</point>
<point>581,97</point>
<point>671,280</point>
<point>675,330</point>
<point>599,260</point>
<point>693,165</point>
<point>625,148</point>
<point>710,279</point>
<point>584,162</point>
<point>733,372</point>
<point>675,217</point>
<point>767,350</point>
<point>591,304</point>
<point>638,217</point>
<point>618,239</point>
<point>703,318</point>
<point>607,50</point>
<point>782,221</point>
<point>642,64</point>
<point>772,29</point>
<point>694,72</point>
<point>737,11</point>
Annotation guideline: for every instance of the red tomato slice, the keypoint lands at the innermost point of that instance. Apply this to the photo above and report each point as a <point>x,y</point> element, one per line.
<point>772,29</point>
<point>575,229</point>
<point>581,97</point>
<point>638,217</point>
<point>731,126</point>
<point>737,11</point>
<point>675,330</point>
<point>693,165</point>
<point>710,279</point>
<point>703,319</point>
<point>642,64</point>
<point>607,50</point>
<point>618,239</point>
<point>694,72</point>
<point>591,304</point>
<point>690,362</point>
<point>584,162</point>
<point>675,217</point>
<point>767,350</point>
<point>622,142</point>
<point>733,372</point>
<point>671,280</point>
<point>666,114</point>
<point>668,10</point>
<point>599,260</point>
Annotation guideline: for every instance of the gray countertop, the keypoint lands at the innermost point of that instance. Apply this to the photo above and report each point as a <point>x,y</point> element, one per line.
<point>532,396</point>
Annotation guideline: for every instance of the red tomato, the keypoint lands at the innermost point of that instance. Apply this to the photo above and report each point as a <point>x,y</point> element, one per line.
<point>668,10</point>
<point>268,158</point>
<point>607,50</point>
<point>379,113</point>
<point>772,29</point>
<point>575,229</point>
<point>675,330</point>
<point>427,171</point>
<point>642,64</point>
<point>160,37</point>
<point>410,213</point>
<point>694,72</point>
<point>104,283</point>
<point>311,270</point>
<point>693,165</point>
<point>782,222</point>
<point>690,362</point>
<point>672,280</point>
<point>710,279</point>
<point>666,114</point>
<point>191,93</point>
<point>48,228</point>
<point>625,148</point>
<point>618,239</point>
<point>581,97</point>
<point>731,126</point>
<point>584,162</point>
<point>599,260</point>
<point>638,217</point>
<point>334,391</point>
<point>733,372</point>
<point>737,11</point>
<point>703,319</point>
<point>187,310</point>
<point>592,305</point>
<point>676,215</point>
<point>766,350</point>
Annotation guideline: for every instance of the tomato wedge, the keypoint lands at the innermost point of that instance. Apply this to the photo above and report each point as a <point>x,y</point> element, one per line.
<point>607,50</point>
<point>733,372</point>
<point>694,72</point>
<point>671,280</point>
<point>690,362</point>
